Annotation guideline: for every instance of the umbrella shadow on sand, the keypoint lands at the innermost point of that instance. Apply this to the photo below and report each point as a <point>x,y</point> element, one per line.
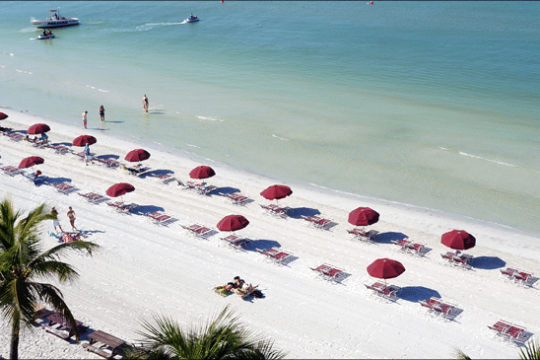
<point>147,209</point>
<point>63,144</point>
<point>388,237</point>
<point>261,244</point>
<point>417,293</point>
<point>227,190</point>
<point>487,262</point>
<point>157,173</point>
<point>56,180</point>
<point>107,157</point>
<point>297,213</point>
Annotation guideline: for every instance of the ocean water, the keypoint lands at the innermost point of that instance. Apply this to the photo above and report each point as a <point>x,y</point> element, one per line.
<point>435,104</point>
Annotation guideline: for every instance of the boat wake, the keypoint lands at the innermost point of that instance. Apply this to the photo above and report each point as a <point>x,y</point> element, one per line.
<point>149,26</point>
<point>280,138</point>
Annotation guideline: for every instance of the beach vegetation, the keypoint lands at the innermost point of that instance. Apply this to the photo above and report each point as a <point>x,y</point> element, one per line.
<point>529,351</point>
<point>220,338</point>
<point>23,265</point>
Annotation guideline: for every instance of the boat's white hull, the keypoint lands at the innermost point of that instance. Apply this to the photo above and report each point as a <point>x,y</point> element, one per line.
<point>45,24</point>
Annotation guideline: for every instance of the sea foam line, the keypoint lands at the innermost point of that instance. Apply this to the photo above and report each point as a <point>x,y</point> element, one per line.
<point>280,138</point>
<point>195,146</point>
<point>210,118</point>
<point>481,158</point>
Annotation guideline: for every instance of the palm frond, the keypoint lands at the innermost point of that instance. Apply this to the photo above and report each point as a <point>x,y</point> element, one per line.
<point>221,338</point>
<point>54,269</point>
<point>58,250</point>
<point>52,295</point>
<point>460,355</point>
<point>531,351</point>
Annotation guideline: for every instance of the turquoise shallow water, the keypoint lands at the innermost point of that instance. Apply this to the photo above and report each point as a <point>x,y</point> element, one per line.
<point>431,103</point>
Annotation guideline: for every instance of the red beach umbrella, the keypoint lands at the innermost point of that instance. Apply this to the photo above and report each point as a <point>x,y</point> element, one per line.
<point>385,269</point>
<point>232,223</point>
<point>31,161</point>
<point>38,129</point>
<point>120,189</point>
<point>363,216</point>
<point>3,116</point>
<point>458,240</point>
<point>276,192</point>
<point>202,172</point>
<point>83,140</point>
<point>137,155</point>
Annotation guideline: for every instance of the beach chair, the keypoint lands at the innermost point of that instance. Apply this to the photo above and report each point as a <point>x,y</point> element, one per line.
<point>236,241</point>
<point>160,218</point>
<point>58,325</point>
<point>328,272</point>
<point>317,221</point>
<point>437,306</point>
<point>94,198</point>
<point>386,291</point>
<point>64,188</point>
<point>410,247</point>
<point>197,230</point>
<point>36,179</point>
<point>122,207</point>
<point>165,178</point>
<point>236,198</point>
<point>523,278</point>
<point>11,170</point>
<point>60,149</point>
<point>360,234</point>
<point>15,136</point>
<point>111,163</point>
<point>275,255</point>
<point>509,331</point>
<point>104,344</point>
<point>275,210</point>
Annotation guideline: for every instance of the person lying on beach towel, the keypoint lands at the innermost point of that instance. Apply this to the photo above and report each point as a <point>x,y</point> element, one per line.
<point>231,286</point>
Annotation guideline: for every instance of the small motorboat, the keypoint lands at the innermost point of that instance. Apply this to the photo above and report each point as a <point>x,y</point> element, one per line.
<point>46,36</point>
<point>55,20</point>
<point>192,18</point>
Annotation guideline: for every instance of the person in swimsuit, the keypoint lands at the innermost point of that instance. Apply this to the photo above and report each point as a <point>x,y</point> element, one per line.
<point>102,113</point>
<point>71,215</point>
<point>86,153</point>
<point>145,102</point>
<point>84,118</point>
<point>56,223</point>
<point>237,283</point>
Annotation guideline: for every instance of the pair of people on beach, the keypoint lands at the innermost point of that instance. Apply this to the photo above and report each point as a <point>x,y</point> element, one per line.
<point>238,286</point>
<point>56,223</point>
<point>101,116</point>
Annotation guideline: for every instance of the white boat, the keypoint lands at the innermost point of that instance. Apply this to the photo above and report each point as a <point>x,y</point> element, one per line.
<point>55,20</point>
<point>192,18</point>
<point>45,37</point>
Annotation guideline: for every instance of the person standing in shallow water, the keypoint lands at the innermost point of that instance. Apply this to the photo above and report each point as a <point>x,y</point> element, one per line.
<point>145,102</point>
<point>85,119</point>
<point>102,113</point>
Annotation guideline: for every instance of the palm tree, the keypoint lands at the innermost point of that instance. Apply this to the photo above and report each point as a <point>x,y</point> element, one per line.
<point>530,351</point>
<point>221,338</point>
<point>21,262</point>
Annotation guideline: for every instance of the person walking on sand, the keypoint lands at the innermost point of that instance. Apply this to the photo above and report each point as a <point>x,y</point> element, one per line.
<point>145,102</point>
<point>72,217</point>
<point>102,113</point>
<point>86,153</point>
<point>56,223</point>
<point>84,118</point>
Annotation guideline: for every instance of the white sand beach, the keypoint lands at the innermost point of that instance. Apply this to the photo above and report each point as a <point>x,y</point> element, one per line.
<point>143,269</point>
